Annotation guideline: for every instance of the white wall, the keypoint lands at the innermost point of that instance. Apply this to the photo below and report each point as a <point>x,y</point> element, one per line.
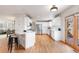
<point>19,25</point>
<point>65,13</point>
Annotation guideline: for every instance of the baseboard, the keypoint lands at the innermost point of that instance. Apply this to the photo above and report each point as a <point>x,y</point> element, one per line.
<point>62,41</point>
<point>51,37</point>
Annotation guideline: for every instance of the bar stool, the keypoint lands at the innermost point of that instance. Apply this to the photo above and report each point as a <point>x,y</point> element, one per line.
<point>10,43</point>
<point>16,41</point>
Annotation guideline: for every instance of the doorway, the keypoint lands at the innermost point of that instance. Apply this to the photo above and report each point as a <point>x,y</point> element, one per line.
<point>39,28</point>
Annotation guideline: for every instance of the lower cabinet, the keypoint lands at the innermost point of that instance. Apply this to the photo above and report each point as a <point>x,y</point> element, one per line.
<point>21,39</point>
<point>27,40</point>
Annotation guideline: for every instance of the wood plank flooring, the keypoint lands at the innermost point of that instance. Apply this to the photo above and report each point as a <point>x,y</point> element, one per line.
<point>44,44</point>
<point>3,46</point>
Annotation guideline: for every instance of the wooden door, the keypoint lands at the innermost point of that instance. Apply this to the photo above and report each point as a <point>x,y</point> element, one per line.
<point>75,26</point>
<point>76,32</point>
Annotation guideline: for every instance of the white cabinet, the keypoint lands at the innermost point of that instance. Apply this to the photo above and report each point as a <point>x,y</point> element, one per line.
<point>29,39</point>
<point>57,35</point>
<point>21,39</point>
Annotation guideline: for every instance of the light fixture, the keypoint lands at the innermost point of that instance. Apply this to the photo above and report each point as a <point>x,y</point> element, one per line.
<point>54,8</point>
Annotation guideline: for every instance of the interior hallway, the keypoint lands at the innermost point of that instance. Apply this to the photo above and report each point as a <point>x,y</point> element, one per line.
<point>44,44</point>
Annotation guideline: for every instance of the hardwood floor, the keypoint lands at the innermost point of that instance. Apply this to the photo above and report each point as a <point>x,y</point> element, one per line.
<point>44,44</point>
<point>3,46</point>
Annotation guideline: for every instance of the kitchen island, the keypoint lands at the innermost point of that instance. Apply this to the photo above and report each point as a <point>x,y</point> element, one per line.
<point>27,40</point>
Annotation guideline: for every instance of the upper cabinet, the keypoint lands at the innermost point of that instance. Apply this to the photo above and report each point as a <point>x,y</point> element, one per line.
<point>22,24</point>
<point>28,23</point>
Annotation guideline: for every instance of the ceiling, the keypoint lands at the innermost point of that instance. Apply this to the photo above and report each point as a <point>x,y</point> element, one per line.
<point>35,11</point>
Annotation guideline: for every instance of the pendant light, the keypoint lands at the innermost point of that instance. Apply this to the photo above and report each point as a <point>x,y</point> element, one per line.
<point>54,8</point>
